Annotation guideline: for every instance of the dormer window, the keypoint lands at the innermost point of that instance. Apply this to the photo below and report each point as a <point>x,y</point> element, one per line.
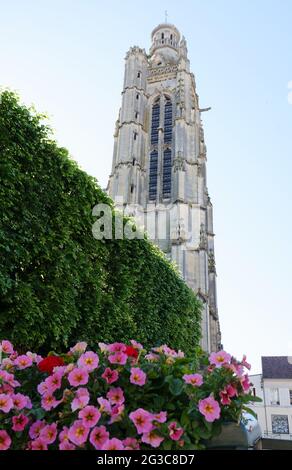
<point>162,35</point>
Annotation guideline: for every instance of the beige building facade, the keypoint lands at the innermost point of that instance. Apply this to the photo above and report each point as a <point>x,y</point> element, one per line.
<point>274,387</point>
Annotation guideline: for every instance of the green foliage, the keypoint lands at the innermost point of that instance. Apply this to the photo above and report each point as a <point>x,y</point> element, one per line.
<point>57,283</point>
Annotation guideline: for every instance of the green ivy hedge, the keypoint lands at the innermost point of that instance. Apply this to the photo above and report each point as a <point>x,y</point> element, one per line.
<point>58,284</point>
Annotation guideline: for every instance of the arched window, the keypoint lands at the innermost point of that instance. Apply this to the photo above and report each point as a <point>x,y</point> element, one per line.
<point>153,169</point>
<point>167,157</point>
<point>165,150</point>
<point>155,122</point>
<point>168,122</point>
<point>166,182</point>
<point>153,175</point>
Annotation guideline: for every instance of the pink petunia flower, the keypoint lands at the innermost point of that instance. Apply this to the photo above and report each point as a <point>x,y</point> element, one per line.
<point>6,403</point>
<point>49,433</point>
<point>244,363</point>
<point>28,403</point>
<point>19,422</point>
<point>116,396</point>
<point>142,419</point>
<point>231,390</point>
<point>160,417</point>
<point>78,377</point>
<point>39,444</point>
<point>54,381</point>
<point>9,378</point>
<point>152,438</point>
<point>69,368</point>
<point>81,399</point>
<point>103,347</point>
<point>35,357</point>
<point>131,443</point>
<point>195,380</point>
<point>224,397</point>
<point>6,389</point>
<point>116,347</point>
<point>89,361</point>
<point>175,433</point>
<point>89,416</point>
<point>116,413</point>
<point>60,369</point>
<point>137,377</point>
<point>110,376</point>
<point>105,406</point>
<point>98,436</point>
<point>35,429</point>
<point>66,445</point>
<point>23,362</point>
<point>20,401</point>
<point>118,358</point>
<point>210,408</point>
<point>7,363</point>
<point>49,401</point>
<point>151,357</point>
<point>136,345</point>
<point>6,347</point>
<point>63,436</point>
<point>5,440</point>
<point>220,358</point>
<point>113,444</point>
<point>43,388</point>
<point>245,383</point>
<point>78,433</point>
<point>79,347</point>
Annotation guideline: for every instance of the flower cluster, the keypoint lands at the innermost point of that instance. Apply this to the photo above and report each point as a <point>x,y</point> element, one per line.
<point>119,397</point>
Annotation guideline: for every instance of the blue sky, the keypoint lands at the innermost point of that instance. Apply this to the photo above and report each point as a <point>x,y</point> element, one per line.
<point>66,57</point>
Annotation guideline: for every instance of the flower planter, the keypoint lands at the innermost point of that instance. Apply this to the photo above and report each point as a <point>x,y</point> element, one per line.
<point>233,436</point>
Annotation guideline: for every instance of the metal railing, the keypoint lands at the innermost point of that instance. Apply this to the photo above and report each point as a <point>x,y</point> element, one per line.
<point>272,435</point>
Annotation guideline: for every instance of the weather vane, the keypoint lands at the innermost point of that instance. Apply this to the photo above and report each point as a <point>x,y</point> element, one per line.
<point>166,16</point>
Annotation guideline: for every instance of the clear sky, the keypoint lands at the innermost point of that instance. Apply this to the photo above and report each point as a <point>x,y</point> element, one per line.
<point>66,57</point>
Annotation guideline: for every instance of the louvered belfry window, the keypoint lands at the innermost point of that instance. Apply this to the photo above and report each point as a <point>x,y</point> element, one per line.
<point>167,163</point>
<point>165,151</point>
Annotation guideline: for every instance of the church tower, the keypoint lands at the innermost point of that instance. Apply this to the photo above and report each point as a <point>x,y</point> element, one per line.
<point>159,165</point>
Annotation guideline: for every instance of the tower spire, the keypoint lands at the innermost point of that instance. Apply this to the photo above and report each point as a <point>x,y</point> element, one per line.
<point>159,165</point>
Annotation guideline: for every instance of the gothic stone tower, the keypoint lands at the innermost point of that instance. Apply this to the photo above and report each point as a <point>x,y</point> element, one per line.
<point>159,164</point>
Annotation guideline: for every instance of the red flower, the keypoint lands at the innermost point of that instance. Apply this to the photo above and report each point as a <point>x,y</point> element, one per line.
<point>131,352</point>
<point>48,364</point>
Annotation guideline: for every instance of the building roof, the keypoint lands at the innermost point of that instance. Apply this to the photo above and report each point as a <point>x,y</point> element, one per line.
<point>277,367</point>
